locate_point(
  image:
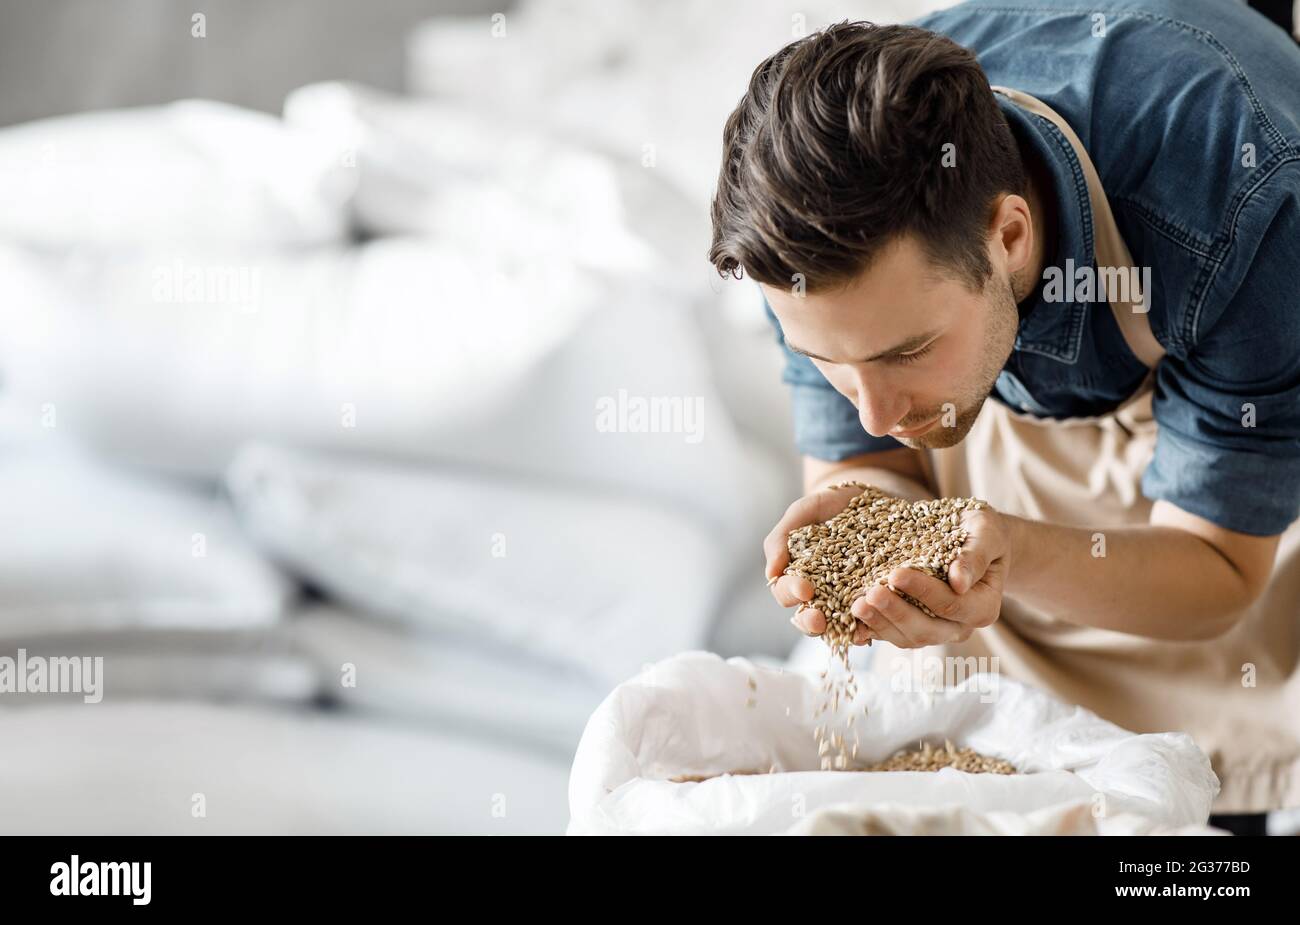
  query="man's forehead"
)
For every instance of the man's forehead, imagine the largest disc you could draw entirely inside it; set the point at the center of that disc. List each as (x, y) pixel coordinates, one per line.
(843, 309)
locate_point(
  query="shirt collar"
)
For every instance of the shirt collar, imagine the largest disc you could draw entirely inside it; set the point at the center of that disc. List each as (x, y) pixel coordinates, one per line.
(1056, 329)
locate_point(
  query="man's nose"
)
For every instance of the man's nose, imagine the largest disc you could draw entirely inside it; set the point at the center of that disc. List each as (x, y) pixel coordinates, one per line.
(880, 408)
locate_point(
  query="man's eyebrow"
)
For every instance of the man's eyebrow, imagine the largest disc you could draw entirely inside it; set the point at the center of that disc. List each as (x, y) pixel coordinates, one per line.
(907, 346)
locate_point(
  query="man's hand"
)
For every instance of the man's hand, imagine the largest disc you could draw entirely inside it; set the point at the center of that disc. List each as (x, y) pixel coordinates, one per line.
(969, 600)
(791, 590)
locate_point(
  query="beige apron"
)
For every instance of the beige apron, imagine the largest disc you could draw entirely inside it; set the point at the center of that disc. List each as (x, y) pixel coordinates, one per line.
(1086, 472)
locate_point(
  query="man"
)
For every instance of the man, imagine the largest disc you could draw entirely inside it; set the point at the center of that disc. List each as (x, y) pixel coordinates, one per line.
(1074, 297)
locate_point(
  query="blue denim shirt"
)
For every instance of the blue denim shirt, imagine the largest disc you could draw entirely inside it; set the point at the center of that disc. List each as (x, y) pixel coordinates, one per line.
(1166, 102)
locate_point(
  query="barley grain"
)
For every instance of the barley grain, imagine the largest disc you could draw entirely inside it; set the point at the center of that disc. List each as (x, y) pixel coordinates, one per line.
(857, 548)
(927, 758)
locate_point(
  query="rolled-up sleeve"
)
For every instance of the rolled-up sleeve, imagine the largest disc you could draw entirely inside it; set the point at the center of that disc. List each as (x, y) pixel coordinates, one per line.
(826, 424)
(1228, 444)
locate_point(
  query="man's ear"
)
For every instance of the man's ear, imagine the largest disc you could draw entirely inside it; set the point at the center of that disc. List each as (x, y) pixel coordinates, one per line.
(1011, 233)
(1011, 242)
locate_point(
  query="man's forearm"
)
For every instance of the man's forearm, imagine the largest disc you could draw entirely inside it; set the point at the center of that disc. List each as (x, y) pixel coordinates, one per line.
(1154, 581)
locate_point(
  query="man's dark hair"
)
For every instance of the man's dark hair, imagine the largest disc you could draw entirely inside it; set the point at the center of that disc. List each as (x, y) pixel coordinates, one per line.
(837, 149)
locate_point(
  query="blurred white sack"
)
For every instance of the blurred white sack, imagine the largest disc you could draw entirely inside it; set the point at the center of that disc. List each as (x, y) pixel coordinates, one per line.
(402, 347)
(507, 186)
(93, 549)
(692, 715)
(601, 583)
(173, 357)
(190, 172)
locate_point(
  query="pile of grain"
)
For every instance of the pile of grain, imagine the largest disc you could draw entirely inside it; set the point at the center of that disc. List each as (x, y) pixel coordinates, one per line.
(932, 759)
(924, 758)
(874, 534)
(701, 778)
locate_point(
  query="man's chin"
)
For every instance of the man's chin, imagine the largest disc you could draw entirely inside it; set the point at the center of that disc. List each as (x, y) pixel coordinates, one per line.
(940, 437)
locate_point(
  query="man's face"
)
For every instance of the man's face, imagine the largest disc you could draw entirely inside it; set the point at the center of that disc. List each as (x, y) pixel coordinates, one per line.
(916, 352)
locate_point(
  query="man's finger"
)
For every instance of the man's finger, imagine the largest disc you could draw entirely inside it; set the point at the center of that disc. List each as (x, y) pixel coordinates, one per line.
(776, 553)
(790, 590)
(930, 591)
(910, 621)
(809, 621)
(862, 634)
(973, 558)
(880, 625)
(995, 575)
(801, 512)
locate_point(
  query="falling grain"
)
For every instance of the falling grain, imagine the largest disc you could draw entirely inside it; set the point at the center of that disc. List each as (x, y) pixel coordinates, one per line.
(857, 548)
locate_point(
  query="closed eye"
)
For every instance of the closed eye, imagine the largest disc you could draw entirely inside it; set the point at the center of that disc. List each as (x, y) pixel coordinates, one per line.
(914, 357)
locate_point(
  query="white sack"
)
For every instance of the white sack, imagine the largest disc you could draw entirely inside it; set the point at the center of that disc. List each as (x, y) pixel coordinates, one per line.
(601, 584)
(90, 548)
(688, 715)
(193, 171)
(400, 347)
(504, 186)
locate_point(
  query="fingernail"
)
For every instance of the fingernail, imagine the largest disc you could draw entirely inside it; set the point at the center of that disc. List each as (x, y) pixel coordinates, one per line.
(963, 577)
(794, 621)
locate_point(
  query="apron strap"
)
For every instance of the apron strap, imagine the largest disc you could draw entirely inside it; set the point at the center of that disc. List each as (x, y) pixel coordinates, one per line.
(1131, 314)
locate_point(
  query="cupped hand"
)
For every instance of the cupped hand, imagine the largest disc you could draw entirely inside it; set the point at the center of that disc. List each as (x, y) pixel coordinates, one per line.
(970, 599)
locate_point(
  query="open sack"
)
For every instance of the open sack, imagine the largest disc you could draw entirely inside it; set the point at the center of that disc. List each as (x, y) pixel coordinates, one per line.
(696, 715)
